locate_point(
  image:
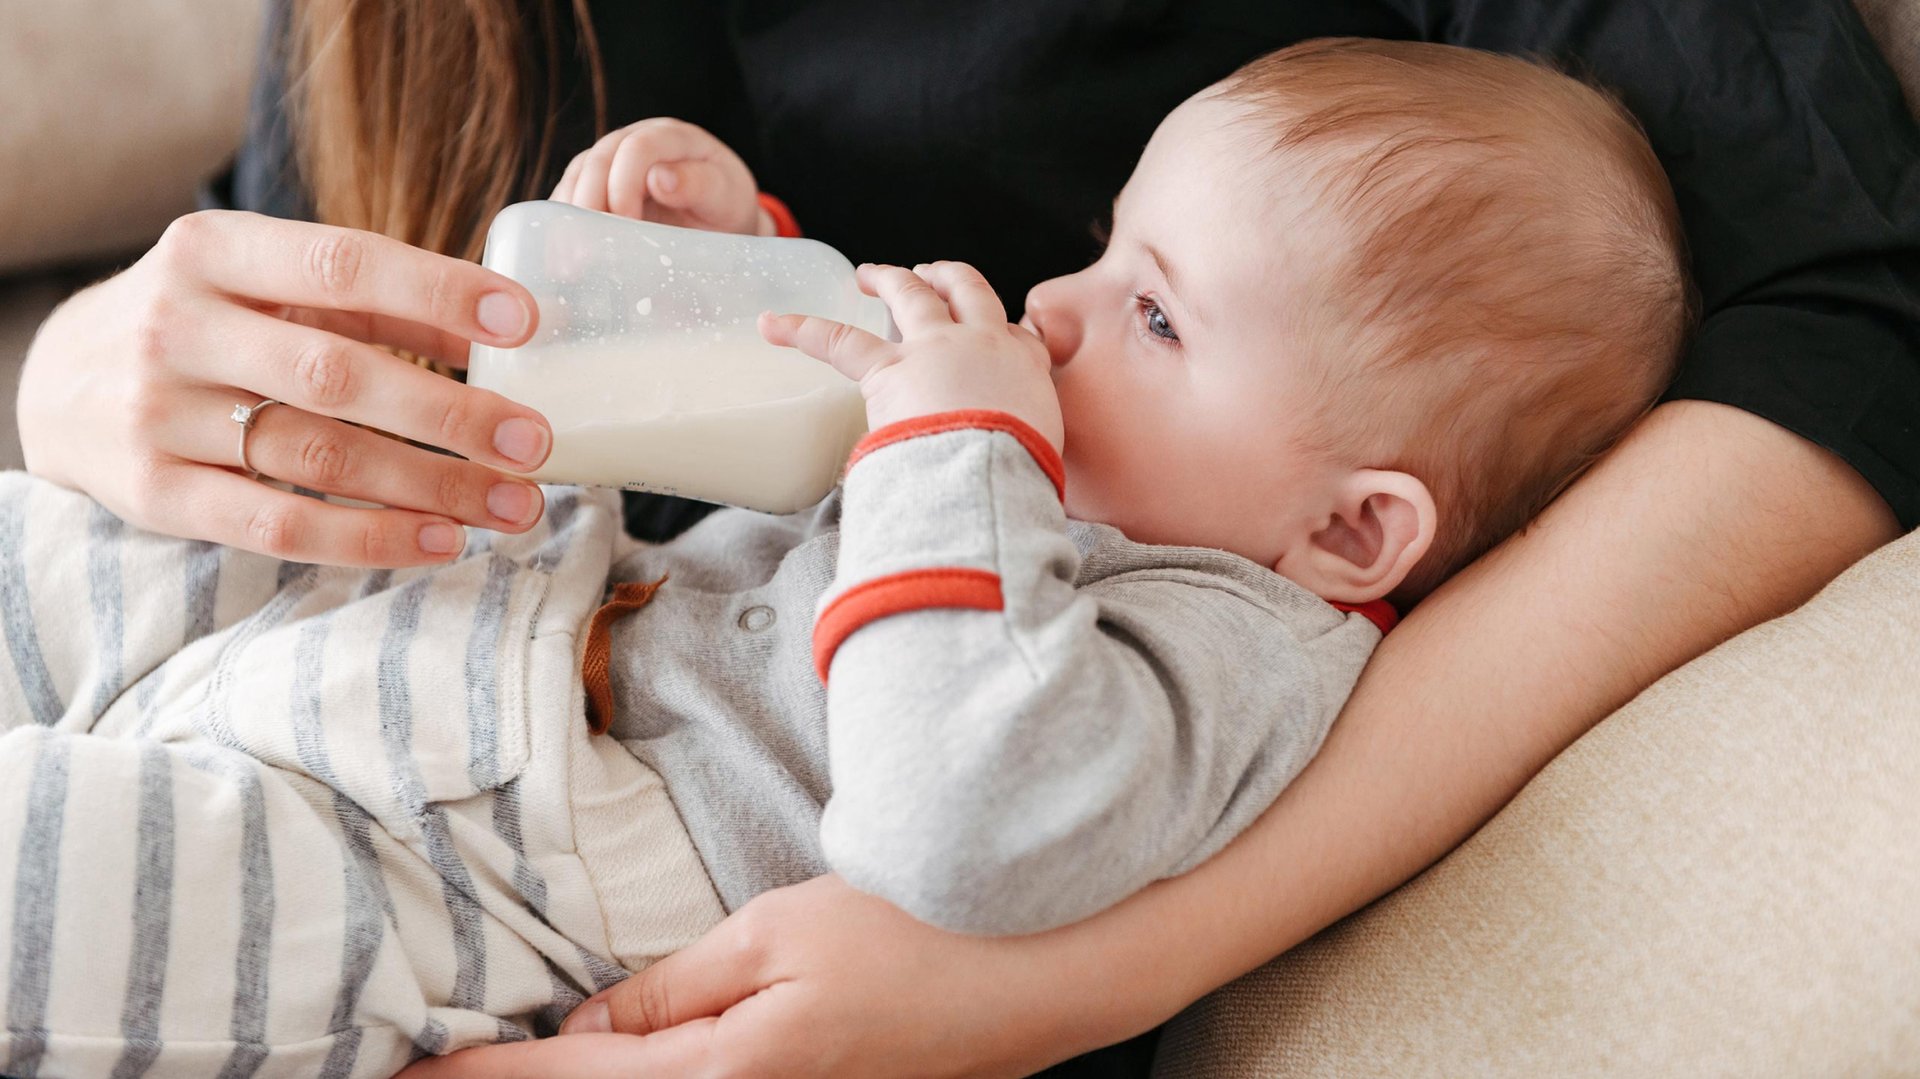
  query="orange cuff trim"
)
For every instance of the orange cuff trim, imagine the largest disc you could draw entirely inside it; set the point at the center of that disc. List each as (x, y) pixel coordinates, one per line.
(784, 223)
(898, 593)
(970, 419)
(1379, 612)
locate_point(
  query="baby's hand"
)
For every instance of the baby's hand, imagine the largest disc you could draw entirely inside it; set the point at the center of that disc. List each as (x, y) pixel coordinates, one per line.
(957, 350)
(668, 171)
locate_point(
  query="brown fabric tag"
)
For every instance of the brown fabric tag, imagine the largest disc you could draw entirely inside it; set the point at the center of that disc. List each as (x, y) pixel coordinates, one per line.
(627, 596)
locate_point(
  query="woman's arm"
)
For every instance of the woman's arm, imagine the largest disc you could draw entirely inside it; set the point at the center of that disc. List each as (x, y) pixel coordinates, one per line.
(1703, 522)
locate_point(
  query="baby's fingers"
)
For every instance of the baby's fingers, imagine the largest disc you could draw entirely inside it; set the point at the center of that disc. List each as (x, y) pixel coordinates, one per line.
(590, 174)
(916, 307)
(965, 290)
(852, 351)
(706, 191)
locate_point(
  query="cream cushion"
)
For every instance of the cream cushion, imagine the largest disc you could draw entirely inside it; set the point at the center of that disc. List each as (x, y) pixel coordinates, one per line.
(1720, 879)
(115, 110)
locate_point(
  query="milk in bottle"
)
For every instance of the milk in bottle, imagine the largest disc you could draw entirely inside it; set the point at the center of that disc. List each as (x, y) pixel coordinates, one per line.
(648, 365)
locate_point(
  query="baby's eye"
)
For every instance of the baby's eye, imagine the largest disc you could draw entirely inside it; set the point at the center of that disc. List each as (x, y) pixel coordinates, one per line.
(1155, 319)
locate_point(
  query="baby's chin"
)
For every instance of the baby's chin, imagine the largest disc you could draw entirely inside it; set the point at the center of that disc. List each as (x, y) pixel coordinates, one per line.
(1071, 503)
(1074, 501)
(1085, 505)
(1086, 499)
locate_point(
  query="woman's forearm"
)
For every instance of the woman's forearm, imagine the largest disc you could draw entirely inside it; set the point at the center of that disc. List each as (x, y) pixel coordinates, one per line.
(1703, 522)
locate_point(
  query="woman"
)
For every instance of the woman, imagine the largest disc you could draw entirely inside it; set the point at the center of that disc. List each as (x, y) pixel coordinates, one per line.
(993, 134)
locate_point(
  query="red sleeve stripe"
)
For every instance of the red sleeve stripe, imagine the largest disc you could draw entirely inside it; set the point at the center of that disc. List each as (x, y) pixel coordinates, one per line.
(898, 593)
(972, 419)
(1379, 612)
(784, 223)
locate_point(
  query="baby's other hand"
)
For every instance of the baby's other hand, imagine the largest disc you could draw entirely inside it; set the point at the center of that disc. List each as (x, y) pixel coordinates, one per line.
(957, 350)
(668, 171)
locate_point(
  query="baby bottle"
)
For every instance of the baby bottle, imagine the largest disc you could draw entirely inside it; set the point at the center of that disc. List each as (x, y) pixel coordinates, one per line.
(648, 364)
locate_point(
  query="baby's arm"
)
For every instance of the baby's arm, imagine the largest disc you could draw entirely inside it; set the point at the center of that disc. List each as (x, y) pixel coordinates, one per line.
(1010, 753)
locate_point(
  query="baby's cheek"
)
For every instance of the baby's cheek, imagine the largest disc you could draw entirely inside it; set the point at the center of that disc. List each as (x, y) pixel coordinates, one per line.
(1106, 437)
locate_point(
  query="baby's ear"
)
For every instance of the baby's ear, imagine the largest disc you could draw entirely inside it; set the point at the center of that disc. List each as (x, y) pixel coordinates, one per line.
(1378, 528)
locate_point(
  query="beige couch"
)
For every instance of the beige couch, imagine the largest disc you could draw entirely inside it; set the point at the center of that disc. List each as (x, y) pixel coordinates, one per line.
(1721, 879)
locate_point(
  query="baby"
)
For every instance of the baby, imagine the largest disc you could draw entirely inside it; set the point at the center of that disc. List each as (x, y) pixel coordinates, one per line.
(1366, 307)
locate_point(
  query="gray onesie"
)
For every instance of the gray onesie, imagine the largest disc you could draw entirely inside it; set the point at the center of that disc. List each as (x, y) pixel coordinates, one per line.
(1025, 718)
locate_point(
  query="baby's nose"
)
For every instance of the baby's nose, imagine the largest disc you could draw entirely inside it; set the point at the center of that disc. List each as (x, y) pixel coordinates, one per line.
(1059, 349)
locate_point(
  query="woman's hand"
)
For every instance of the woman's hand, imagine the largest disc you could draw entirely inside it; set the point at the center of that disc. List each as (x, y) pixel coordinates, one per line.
(128, 387)
(957, 350)
(819, 979)
(668, 171)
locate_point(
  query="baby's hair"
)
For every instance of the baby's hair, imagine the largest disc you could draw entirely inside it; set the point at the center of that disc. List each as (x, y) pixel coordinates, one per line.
(1513, 292)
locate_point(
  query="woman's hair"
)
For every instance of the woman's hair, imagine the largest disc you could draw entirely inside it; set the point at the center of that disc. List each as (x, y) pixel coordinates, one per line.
(412, 117)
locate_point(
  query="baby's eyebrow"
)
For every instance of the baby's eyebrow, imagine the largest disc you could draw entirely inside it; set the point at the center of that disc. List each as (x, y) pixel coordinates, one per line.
(1173, 286)
(1160, 261)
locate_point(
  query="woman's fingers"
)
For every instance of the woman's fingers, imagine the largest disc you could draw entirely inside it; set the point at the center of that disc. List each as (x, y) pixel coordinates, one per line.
(192, 500)
(851, 351)
(689, 1050)
(300, 264)
(321, 454)
(334, 376)
(705, 978)
(914, 303)
(966, 292)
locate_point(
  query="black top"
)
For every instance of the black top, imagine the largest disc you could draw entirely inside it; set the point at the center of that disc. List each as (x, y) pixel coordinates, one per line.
(911, 130)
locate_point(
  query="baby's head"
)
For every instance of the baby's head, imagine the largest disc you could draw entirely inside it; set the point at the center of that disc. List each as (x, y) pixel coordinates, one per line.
(1365, 308)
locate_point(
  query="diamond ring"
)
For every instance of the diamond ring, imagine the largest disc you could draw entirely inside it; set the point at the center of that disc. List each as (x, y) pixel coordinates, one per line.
(244, 415)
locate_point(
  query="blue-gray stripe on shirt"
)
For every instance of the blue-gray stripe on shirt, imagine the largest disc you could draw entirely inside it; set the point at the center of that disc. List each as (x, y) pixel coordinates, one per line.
(36, 894)
(396, 729)
(16, 616)
(253, 951)
(481, 670)
(109, 605)
(152, 916)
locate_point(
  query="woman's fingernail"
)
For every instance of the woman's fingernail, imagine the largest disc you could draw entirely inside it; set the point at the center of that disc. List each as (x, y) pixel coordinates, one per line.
(593, 1017)
(521, 441)
(439, 539)
(511, 502)
(502, 314)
